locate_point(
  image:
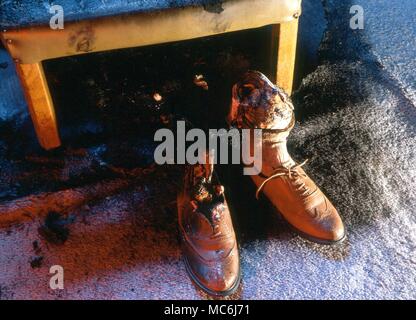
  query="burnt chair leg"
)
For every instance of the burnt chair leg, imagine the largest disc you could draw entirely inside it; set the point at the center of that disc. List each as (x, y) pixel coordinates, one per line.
(284, 41)
(40, 103)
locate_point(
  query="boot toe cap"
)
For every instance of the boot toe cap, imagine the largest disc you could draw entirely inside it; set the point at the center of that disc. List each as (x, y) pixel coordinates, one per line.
(218, 278)
(327, 228)
(332, 230)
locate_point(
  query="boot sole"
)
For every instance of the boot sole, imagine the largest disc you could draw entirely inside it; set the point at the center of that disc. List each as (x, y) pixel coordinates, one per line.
(195, 280)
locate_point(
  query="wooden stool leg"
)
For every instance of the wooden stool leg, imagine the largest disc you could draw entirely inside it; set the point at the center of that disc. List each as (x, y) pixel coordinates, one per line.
(40, 104)
(284, 41)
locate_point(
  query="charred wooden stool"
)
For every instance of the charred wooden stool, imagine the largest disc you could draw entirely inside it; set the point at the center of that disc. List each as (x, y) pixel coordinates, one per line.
(96, 25)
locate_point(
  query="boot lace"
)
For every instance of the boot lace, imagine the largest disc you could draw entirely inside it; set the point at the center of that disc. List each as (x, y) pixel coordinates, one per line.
(293, 174)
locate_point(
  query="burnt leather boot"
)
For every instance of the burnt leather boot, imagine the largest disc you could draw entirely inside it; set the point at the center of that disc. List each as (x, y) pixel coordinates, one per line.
(257, 103)
(208, 239)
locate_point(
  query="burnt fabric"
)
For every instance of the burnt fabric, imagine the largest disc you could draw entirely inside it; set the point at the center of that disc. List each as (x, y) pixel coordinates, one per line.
(23, 13)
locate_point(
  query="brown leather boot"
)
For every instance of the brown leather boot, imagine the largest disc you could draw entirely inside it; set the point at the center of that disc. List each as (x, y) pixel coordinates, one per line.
(208, 240)
(257, 103)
